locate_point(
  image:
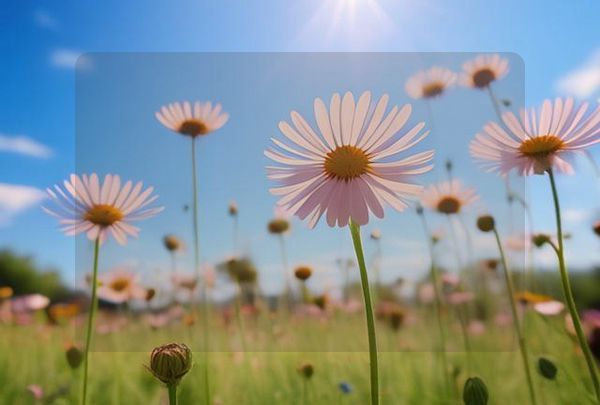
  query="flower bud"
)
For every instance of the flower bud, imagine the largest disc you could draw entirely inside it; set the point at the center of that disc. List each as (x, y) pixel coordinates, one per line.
(278, 226)
(74, 357)
(306, 370)
(486, 223)
(540, 239)
(547, 368)
(171, 243)
(321, 301)
(232, 209)
(375, 234)
(475, 392)
(150, 293)
(303, 273)
(170, 362)
(449, 165)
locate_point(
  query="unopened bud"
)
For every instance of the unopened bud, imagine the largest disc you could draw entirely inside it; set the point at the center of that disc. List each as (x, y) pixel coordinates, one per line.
(547, 368)
(303, 273)
(475, 392)
(150, 293)
(233, 209)
(306, 370)
(486, 223)
(169, 363)
(74, 357)
(278, 226)
(540, 239)
(171, 243)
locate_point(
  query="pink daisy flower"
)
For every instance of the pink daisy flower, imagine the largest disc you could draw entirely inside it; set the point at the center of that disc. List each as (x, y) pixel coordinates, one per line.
(538, 140)
(483, 70)
(349, 167)
(448, 197)
(120, 285)
(196, 120)
(86, 205)
(430, 83)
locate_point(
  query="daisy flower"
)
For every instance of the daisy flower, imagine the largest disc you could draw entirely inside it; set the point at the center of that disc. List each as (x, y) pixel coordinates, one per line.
(549, 308)
(538, 141)
(430, 83)
(119, 286)
(99, 209)
(448, 197)
(349, 167)
(483, 70)
(199, 119)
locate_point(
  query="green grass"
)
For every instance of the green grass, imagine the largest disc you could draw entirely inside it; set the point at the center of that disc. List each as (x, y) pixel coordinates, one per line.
(335, 345)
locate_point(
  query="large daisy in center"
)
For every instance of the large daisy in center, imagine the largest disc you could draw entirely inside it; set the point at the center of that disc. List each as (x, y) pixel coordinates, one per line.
(350, 166)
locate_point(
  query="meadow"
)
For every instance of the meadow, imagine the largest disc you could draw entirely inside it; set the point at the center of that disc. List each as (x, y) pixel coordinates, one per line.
(476, 326)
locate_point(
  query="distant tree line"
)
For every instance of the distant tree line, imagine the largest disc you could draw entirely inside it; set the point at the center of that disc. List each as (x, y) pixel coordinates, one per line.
(23, 275)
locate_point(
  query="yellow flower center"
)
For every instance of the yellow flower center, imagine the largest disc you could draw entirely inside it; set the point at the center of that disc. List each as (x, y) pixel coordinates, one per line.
(448, 205)
(119, 284)
(193, 128)
(483, 77)
(103, 215)
(541, 146)
(346, 163)
(433, 89)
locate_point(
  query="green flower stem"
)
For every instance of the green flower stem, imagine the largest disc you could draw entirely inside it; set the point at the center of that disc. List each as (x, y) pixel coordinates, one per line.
(566, 285)
(511, 298)
(438, 302)
(90, 322)
(364, 278)
(284, 261)
(197, 269)
(172, 394)
(238, 316)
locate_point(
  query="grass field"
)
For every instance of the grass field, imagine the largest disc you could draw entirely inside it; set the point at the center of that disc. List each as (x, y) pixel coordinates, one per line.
(277, 346)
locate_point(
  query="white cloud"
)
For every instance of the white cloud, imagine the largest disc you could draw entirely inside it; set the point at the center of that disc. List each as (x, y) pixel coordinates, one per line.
(24, 146)
(69, 59)
(44, 20)
(575, 215)
(15, 198)
(584, 80)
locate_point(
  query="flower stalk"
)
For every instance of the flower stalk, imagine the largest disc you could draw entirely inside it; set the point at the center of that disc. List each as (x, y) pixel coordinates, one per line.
(197, 268)
(437, 299)
(90, 322)
(511, 298)
(568, 293)
(172, 394)
(364, 278)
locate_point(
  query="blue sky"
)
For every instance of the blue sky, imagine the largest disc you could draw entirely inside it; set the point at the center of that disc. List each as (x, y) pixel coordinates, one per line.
(558, 42)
